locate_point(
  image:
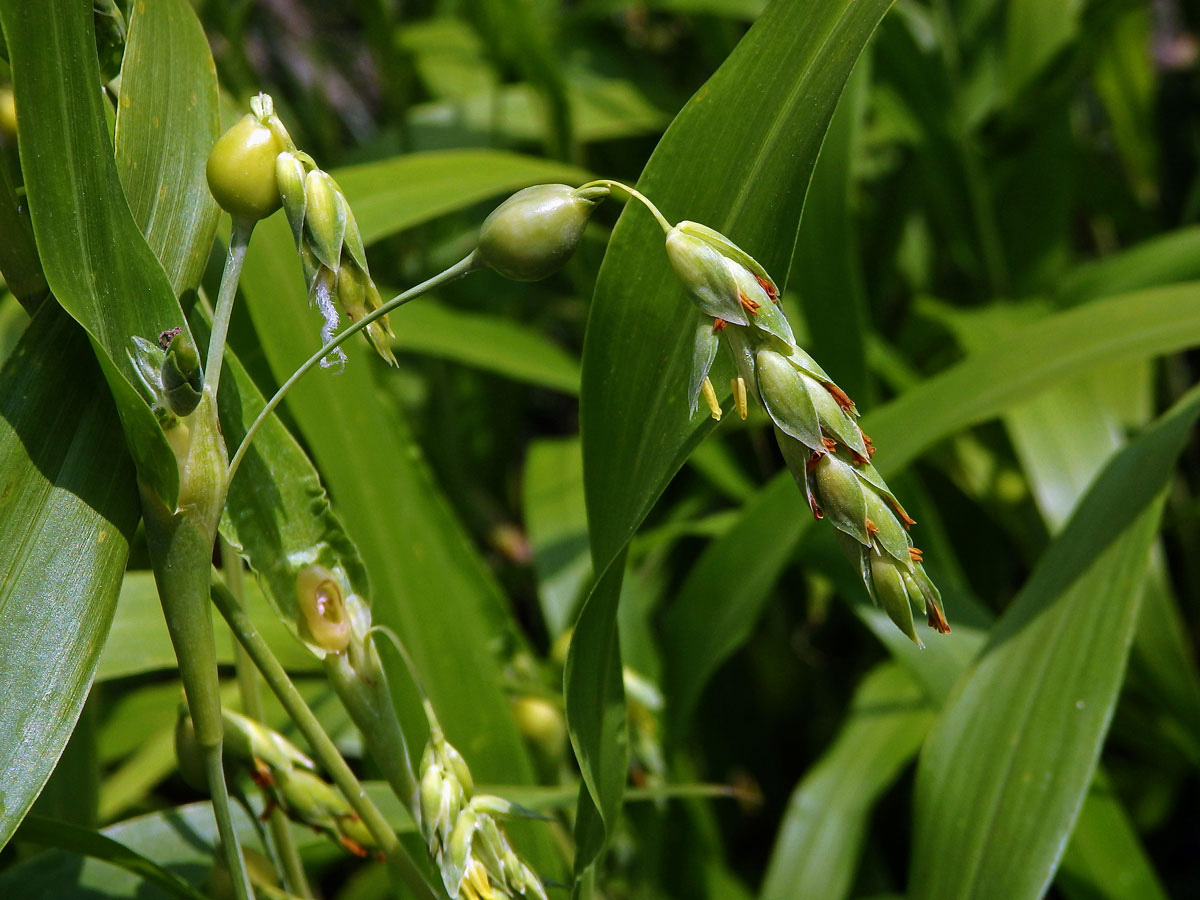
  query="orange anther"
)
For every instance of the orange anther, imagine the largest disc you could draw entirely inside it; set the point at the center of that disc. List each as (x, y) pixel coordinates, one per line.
(937, 621)
(353, 846)
(751, 306)
(872, 528)
(829, 444)
(839, 395)
(904, 517)
(916, 554)
(813, 459)
(719, 324)
(768, 288)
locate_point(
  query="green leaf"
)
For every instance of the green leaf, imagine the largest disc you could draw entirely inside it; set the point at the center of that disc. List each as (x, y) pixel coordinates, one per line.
(821, 836)
(1010, 758)
(65, 836)
(761, 125)
(179, 840)
(556, 522)
(398, 193)
(491, 343)
(167, 123)
(720, 600)
(1063, 437)
(1105, 858)
(828, 273)
(1165, 259)
(1036, 32)
(602, 109)
(68, 508)
(96, 261)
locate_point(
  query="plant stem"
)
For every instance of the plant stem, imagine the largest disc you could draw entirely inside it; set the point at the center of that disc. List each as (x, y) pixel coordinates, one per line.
(287, 854)
(180, 541)
(633, 192)
(239, 240)
(322, 745)
(361, 685)
(458, 270)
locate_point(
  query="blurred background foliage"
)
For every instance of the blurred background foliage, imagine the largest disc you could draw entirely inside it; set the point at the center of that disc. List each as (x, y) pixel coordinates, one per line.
(991, 165)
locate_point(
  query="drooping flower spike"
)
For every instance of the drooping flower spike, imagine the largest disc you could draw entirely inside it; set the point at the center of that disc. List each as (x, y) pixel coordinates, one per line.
(331, 251)
(462, 829)
(815, 421)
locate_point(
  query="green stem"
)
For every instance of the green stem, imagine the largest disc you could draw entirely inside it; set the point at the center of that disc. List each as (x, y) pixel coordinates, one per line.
(458, 270)
(214, 771)
(633, 192)
(238, 242)
(322, 745)
(180, 539)
(361, 685)
(286, 852)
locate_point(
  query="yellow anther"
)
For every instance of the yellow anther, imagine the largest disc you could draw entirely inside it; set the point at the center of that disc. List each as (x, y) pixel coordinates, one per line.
(740, 403)
(476, 882)
(710, 397)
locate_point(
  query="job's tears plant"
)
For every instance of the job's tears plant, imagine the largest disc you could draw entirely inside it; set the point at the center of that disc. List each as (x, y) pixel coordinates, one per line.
(254, 170)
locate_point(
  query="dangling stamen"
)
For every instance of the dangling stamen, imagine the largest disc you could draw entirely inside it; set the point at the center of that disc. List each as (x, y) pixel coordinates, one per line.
(740, 401)
(710, 397)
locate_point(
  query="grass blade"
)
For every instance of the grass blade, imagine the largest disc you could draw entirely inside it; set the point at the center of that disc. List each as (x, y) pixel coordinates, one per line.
(96, 261)
(167, 123)
(68, 509)
(65, 836)
(1011, 756)
(822, 833)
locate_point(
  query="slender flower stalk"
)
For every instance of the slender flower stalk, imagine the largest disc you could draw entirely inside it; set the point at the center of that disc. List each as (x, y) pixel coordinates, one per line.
(180, 541)
(637, 195)
(238, 242)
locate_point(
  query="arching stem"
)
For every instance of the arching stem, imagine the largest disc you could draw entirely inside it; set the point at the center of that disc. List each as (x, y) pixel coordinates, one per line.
(456, 271)
(634, 192)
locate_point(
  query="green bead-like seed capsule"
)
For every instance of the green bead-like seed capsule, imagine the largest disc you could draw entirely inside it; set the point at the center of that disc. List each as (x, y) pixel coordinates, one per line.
(241, 170)
(324, 621)
(532, 234)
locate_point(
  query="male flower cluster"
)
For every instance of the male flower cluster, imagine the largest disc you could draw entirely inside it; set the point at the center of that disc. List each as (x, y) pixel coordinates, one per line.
(462, 832)
(815, 421)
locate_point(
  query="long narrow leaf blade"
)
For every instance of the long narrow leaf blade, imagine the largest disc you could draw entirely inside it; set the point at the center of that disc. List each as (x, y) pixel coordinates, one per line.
(1006, 769)
(167, 123)
(97, 263)
(68, 508)
(822, 832)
